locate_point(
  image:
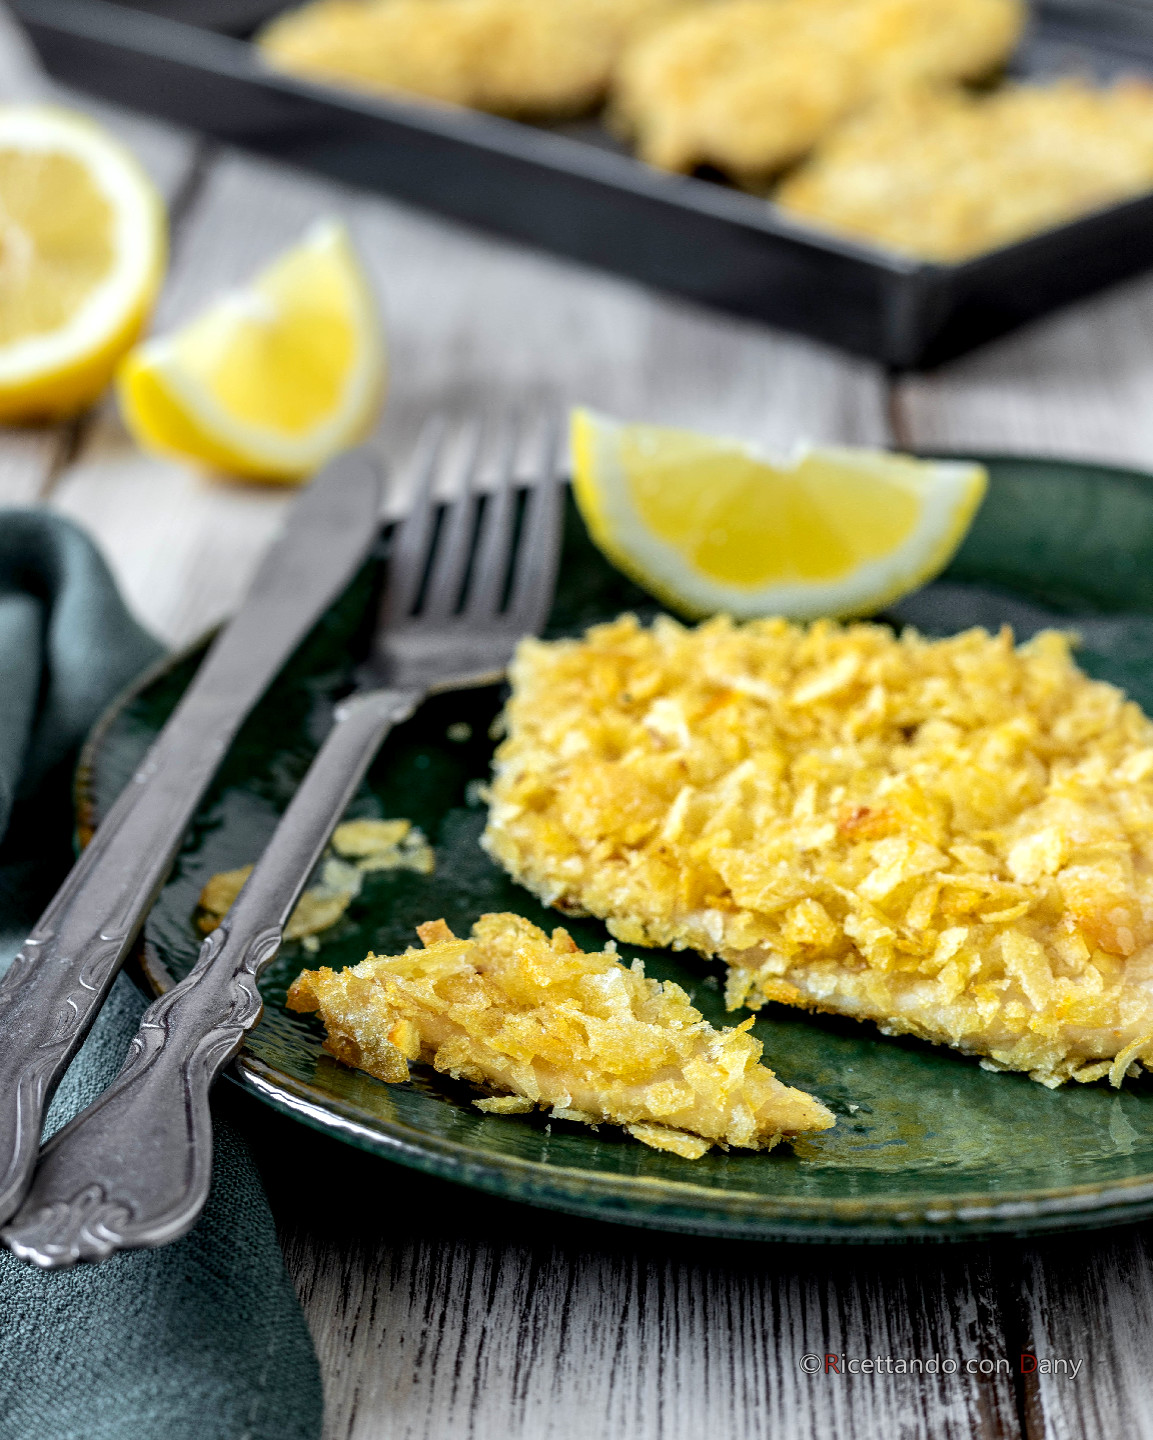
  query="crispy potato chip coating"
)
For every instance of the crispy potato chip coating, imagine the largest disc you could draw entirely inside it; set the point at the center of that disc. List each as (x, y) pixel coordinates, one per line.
(749, 86)
(952, 838)
(533, 1018)
(946, 175)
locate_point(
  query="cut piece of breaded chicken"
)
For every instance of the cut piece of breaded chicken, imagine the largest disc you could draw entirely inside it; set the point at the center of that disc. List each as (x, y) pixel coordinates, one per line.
(946, 175)
(749, 86)
(537, 1022)
(952, 838)
(515, 57)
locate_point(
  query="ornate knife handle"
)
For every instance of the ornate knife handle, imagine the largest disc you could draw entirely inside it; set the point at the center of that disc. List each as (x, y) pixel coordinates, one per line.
(58, 982)
(133, 1170)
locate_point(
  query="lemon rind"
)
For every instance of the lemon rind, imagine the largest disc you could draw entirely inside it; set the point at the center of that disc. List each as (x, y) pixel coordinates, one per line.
(950, 503)
(212, 434)
(107, 321)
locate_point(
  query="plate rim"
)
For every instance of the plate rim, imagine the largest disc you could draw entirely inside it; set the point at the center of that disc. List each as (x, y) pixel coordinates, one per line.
(634, 1200)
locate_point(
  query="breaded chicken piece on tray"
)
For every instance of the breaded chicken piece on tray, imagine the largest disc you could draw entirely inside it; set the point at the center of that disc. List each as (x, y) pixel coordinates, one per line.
(534, 1020)
(951, 838)
(749, 86)
(945, 175)
(537, 58)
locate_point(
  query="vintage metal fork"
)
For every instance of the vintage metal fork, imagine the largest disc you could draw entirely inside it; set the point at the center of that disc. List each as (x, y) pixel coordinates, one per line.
(465, 581)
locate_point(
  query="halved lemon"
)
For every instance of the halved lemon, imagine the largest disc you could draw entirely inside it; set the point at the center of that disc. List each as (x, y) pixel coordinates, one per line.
(711, 525)
(82, 250)
(273, 379)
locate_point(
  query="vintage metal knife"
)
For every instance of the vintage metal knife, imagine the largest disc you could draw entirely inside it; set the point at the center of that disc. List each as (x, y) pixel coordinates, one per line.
(58, 981)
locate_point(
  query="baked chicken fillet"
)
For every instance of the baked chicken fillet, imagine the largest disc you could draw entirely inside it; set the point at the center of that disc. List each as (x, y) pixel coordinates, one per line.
(945, 175)
(951, 838)
(749, 86)
(537, 58)
(534, 1021)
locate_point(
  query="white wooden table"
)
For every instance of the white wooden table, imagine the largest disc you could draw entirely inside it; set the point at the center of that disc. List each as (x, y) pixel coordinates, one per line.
(438, 1314)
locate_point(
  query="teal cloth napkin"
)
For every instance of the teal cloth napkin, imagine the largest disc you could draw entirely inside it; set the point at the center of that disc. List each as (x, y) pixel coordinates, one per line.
(204, 1339)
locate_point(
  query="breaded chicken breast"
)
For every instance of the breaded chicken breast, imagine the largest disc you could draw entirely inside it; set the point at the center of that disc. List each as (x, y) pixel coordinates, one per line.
(749, 86)
(946, 175)
(515, 57)
(951, 838)
(536, 1022)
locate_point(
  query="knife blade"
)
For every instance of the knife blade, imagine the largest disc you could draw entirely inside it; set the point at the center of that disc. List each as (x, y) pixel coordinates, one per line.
(57, 983)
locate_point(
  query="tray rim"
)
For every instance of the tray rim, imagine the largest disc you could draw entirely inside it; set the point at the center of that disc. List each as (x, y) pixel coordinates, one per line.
(147, 31)
(620, 215)
(538, 145)
(634, 1200)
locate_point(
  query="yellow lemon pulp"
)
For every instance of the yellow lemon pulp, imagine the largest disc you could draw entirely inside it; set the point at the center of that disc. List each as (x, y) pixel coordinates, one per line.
(56, 241)
(274, 379)
(709, 524)
(82, 248)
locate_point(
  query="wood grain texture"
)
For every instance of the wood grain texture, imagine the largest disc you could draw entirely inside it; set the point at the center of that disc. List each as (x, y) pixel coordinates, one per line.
(30, 457)
(440, 1313)
(183, 547)
(1091, 1301)
(1076, 384)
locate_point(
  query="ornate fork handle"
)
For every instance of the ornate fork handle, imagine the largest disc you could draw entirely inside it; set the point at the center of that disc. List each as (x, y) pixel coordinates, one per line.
(134, 1168)
(64, 970)
(58, 981)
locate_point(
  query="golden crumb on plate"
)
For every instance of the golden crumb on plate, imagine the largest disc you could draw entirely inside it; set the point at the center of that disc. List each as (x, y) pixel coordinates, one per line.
(946, 175)
(318, 909)
(361, 847)
(515, 57)
(384, 845)
(749, 86)
(358, 839)
(218, 895)
(952, 838)
(536, 1020)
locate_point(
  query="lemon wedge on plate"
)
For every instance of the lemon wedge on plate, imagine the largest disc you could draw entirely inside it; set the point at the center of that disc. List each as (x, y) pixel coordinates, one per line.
(82, 249)
(711, 525)
(273, 379)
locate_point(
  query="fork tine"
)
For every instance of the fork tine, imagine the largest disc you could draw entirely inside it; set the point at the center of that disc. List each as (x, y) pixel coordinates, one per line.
(409, 550)
(539, 553)
(495, 539)
(454, 544)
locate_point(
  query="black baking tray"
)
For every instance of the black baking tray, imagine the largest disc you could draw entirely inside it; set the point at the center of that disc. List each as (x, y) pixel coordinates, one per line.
(570, 190)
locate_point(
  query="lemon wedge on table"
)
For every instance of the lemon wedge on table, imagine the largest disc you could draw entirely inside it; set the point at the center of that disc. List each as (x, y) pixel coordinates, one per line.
(273, 379)
(711, 525)
(82, 251)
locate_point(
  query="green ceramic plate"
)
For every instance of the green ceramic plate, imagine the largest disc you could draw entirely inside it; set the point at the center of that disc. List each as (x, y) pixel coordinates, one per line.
(926, 1143)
